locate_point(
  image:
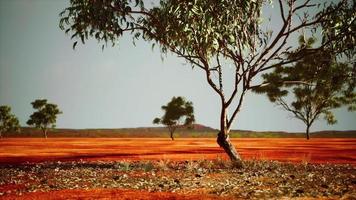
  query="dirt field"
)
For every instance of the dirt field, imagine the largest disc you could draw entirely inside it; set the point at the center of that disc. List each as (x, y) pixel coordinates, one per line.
(20, 150)
(182, 169)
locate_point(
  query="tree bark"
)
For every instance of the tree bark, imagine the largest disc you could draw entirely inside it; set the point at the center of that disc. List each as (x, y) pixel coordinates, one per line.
(45, 133)
(307, 132)
(172, 135)
(171, 131)
(224, 142)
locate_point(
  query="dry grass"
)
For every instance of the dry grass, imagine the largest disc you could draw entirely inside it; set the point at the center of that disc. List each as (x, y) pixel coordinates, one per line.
(256, 179)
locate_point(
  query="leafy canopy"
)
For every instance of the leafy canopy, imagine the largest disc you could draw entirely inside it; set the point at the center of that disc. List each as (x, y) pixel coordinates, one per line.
(340, 26)
(204, 32)
(323, 84)
(45, 116)
(8, 121)
(177, 112)
(226, 39)
(201, 27)
(194, 27)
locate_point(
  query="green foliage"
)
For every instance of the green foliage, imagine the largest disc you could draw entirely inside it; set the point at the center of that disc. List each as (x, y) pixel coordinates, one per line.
(177, 112)
(318, 84)
(102, 20)
(177, 109)
(340, 24)
(45, 117)
(212, 35)
(202, 30)
(8, 121)
(201, 27)
(194, 27)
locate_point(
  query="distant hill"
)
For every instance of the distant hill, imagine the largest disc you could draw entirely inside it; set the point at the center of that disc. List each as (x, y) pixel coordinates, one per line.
(197, 131)
(197, 127)
(201, 127)
(282, 134)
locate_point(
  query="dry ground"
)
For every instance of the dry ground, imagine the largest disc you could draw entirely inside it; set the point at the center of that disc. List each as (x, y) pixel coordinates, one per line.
(18, 150)
(156, 180)
(92, 168)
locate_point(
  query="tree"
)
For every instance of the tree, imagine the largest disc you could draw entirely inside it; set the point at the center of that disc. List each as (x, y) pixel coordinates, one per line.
(45, 117)
(8, 121)
(327, 85)
(213, 36)
(177, 112)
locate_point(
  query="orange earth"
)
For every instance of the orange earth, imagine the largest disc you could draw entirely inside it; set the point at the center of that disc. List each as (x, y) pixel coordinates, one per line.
(106, 194)
(20, 150)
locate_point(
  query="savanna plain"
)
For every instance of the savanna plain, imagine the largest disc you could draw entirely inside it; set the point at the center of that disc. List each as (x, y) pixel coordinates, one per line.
(186, 168)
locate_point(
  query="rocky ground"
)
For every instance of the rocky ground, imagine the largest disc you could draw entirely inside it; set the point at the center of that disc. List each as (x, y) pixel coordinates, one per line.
(256, 180)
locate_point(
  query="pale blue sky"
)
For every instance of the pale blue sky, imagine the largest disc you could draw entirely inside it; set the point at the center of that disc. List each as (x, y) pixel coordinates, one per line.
(123, 86)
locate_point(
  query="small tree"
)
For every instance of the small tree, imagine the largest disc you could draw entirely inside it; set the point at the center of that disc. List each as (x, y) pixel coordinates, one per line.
(8, 121)
(177, 112)
(323, 85)
(45, 117)
(228, 40)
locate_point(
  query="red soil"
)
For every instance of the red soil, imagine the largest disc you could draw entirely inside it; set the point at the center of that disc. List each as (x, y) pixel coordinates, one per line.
(111, 194)
(19, 150)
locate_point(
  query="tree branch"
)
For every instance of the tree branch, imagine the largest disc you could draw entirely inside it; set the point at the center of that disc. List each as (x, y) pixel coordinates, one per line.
(304, 5)
(237, 109)
(280, 34)
(316, 21)
(284, 82)
(296, 113)
(220, 73)
(210, 81)
(281, 10)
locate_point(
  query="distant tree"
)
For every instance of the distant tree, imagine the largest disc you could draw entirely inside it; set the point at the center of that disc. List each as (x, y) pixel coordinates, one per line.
(45, 117)
(8, 121)
(228, 40)
(323, 84)
(178, 112)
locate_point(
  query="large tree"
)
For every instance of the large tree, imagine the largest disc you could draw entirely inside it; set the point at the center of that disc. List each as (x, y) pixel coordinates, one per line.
(45, 117)
(327, 84)
(8, 121)
(178, 112)
(225, 39)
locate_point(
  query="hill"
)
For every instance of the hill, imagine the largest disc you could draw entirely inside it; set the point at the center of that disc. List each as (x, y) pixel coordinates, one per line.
(198, 131)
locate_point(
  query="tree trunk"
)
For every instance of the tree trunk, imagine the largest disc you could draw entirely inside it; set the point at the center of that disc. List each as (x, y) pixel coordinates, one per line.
(307, 132)
(45, 133)
(172, 135)
(171, 129)
(224, 142)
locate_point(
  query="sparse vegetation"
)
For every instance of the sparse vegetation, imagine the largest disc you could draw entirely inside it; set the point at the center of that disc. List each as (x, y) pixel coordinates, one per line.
(229, 41)
(258, 179)
(45, 117)
(326, 85)
(177, 113)
(8, 121)
(180, 133)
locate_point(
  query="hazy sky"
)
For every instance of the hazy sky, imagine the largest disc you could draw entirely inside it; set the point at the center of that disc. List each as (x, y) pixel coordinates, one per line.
(124, 86)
